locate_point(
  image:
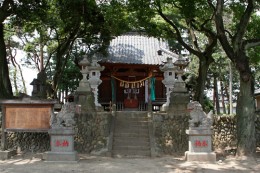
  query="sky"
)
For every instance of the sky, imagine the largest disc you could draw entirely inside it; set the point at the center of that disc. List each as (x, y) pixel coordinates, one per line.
(28, 74)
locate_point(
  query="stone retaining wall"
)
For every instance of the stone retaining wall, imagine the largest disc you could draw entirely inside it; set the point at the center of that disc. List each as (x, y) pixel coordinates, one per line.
(92, 134)
(169, 131)
(170, 136)
(224, 131)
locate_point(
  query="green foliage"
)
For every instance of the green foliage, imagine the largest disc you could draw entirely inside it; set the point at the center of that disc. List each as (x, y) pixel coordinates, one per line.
(208, 105)
(53, 27)
(70, 77)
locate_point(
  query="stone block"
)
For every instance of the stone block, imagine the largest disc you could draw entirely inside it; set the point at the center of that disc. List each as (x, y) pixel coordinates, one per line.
(61, 156)
(62, 146)
(7, 154)
(200, 156)
(62, 140)
(200, 140)
(200, 145)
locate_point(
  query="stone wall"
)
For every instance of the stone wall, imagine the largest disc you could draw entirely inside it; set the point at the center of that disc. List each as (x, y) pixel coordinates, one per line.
(224, 134)
(170, 135)
(92, 133)
(169, 131)
(28, 141)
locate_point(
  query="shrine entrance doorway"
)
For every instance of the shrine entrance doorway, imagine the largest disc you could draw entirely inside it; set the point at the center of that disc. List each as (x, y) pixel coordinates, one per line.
(130, 86)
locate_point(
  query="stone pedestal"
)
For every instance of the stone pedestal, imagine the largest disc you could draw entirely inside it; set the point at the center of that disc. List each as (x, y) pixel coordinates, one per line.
(62, 145)
(178, 103)
(200, 148)
(7, 154)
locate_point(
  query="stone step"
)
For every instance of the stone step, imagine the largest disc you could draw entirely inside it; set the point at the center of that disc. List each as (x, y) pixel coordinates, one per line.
(132, 114)
(131, 142)
(137, 129)
(131, 153)
(131, 135)
(120, 127)
(139, 117)
(131, 121)
(133, 148)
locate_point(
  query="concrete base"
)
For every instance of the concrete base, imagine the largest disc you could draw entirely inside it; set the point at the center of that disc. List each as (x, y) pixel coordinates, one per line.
(71, 157)
(200, 157)
(7, 154)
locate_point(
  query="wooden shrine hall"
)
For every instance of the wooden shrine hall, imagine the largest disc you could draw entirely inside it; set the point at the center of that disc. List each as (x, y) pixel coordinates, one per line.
(131, 78)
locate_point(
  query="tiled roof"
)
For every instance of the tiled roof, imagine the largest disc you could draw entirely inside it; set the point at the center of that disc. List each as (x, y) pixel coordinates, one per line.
(136, 49)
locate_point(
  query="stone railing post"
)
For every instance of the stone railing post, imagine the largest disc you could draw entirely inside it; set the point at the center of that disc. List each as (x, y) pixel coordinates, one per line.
(200, 144)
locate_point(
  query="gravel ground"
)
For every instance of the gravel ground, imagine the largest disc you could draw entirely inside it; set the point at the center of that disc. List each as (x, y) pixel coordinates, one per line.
(32, 163)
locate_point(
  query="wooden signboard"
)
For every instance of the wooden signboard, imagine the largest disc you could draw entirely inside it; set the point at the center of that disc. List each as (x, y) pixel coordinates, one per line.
(27, 117)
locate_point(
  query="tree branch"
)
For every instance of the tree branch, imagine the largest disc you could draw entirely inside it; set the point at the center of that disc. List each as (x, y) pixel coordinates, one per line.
(193, 36)
(251, 43)
(241, 30)
(221, 29)
(177, 33)
(6, 9)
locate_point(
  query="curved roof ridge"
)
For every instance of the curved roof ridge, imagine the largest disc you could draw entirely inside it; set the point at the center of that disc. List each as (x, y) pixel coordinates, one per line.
(136, 49)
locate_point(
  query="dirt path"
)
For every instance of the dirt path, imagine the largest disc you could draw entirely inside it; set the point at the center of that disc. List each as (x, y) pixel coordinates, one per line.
(29, 163)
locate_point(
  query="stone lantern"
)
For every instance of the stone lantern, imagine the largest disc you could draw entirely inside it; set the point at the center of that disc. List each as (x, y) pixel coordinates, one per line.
(84, 95)
(40, 86)
(169, 79)
(94, 78)
(84, 84)
(36, 87)
(179, 96)
(181, 64)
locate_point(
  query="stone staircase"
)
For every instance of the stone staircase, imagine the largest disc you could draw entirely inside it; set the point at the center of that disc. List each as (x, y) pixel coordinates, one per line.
(131, 135)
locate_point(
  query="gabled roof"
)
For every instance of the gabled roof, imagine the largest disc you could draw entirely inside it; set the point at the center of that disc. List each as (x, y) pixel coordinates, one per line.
(133, 48)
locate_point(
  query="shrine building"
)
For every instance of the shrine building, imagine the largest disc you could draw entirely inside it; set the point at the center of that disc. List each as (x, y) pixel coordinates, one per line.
(132, 77)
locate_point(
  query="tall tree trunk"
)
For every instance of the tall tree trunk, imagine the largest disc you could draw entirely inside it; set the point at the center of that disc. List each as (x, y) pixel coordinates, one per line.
(15, 82)
(216, 94)
(23, 81)
(236, 51)
(214, 103)
(5, 83)
(62, 56)
(245, 109)
(228, 97)
(223, 97)
(201, 80)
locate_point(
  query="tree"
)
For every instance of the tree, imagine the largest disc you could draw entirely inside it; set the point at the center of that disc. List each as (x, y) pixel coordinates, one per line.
(5, 84)
(10, 8)
(67, 23)
(177, 20)
(235, 42)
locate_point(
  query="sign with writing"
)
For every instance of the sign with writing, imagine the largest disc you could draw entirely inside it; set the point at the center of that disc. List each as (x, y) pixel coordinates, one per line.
(201, 143)
(27, 117)
(61, 143)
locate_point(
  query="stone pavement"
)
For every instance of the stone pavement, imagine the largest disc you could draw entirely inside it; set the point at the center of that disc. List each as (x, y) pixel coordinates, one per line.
(31, 163)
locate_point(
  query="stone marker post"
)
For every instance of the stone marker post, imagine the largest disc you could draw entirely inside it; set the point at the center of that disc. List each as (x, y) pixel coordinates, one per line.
(62, 136)
(200, 145)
